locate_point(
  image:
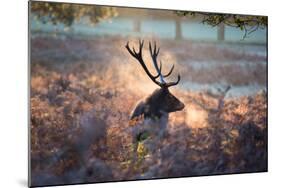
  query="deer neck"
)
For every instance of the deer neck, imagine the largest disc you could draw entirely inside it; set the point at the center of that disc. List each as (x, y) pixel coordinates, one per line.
(154, 107)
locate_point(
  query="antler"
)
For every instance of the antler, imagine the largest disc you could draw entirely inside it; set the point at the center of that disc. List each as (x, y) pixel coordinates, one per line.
(138, 56)
(154, 53)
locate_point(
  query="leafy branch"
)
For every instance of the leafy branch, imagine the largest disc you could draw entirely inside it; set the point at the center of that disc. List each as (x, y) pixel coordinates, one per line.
(68, 13)
(248, 24)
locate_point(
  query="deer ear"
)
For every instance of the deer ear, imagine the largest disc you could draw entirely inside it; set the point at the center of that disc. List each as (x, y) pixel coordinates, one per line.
(139, 110)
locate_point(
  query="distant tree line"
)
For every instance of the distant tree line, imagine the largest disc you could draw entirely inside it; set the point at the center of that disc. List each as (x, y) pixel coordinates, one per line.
(246, 23)
(67, 13)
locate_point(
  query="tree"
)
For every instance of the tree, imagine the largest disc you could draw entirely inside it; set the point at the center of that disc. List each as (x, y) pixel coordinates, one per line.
(67, 13)
(221, 31)
(178, 29)
(246, 23)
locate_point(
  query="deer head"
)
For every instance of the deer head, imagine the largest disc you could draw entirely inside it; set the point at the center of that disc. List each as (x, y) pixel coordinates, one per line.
(161, 101)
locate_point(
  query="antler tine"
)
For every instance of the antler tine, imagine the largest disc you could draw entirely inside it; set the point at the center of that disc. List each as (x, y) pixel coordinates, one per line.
(170, 72)
(160, 68)
(138, 56)
(135, 51)
(154, 53)
(129, 50)
(150, 49)
(173, 83)
(141, 45)
(155, 49)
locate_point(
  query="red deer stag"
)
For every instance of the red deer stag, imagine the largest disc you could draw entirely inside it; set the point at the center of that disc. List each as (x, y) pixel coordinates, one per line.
(161, 101)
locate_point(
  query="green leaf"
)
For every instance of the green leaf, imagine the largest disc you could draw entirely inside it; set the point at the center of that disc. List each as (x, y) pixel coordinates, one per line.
(142, 136)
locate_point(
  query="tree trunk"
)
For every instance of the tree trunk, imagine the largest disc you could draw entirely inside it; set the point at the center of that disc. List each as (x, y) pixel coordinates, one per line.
(178, 29)
(221, 29)
(137, 25)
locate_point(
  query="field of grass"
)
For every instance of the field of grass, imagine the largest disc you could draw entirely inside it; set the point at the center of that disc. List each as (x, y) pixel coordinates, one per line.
(82, 94)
